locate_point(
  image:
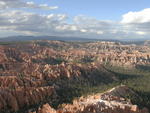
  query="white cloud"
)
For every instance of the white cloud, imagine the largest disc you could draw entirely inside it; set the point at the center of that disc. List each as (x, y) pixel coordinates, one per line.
(137, 17)
(60, 17)
(30, 23)
(99, 32)
(141, 32)
(52, 24)
(5, 4)
(137, 22)
(83, 30)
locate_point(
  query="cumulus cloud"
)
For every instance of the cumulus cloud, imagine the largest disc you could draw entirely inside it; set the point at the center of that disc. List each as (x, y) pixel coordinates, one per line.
(51, 24)
(30, 22)
(137, 22)
(5, 4)
(19, 21)
(137, 17)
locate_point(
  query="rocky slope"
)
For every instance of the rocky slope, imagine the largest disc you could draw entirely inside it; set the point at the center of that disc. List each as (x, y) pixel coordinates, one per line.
(16, 99)
(112, 101)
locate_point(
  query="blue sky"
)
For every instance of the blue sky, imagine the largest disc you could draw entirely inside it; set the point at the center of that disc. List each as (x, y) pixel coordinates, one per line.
(99, 9)
(115, 19)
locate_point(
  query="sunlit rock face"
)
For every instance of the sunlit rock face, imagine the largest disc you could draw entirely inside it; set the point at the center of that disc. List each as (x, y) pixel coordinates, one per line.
(111, 101)
(37, 58)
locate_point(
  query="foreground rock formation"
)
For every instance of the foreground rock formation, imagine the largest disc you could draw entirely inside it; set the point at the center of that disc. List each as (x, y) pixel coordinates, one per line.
(112, 101)
(16, 99)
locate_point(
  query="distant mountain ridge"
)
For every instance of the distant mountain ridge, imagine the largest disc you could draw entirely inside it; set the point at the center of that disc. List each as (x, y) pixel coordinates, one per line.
(29, 38)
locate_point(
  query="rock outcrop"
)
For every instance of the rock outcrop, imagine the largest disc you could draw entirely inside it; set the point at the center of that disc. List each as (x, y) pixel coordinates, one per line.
(108, 102)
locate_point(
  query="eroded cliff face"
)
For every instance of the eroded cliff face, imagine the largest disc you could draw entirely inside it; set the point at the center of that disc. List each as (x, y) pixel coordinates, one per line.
(46, 58)
(17, 99)
(112, 101)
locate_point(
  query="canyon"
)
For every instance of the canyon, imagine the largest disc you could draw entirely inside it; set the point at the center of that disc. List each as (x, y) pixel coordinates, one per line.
(36, 74)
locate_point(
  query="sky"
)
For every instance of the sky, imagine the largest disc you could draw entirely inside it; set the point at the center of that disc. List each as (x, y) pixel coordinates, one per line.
(101, 19)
